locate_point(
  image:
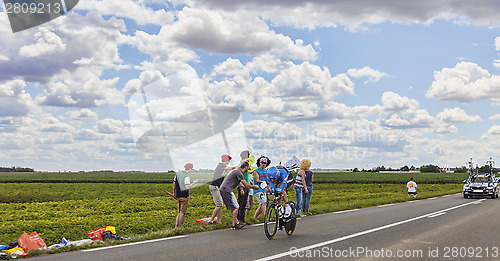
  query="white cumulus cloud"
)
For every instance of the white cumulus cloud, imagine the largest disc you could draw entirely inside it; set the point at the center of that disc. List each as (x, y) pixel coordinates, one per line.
(14, 101)
(47, 43)
(496, 62)
(367, 72)
(297, 92)
(84, 113)
(465, 82)
(494, 117)
(456, 115)
(4, 58)
(402, 112)
(232, 33)
(135, 10)
(110, 126)
(360, 14)
(492, 133)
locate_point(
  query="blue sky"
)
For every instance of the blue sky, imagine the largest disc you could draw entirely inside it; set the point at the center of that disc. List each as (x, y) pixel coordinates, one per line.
(344, 83)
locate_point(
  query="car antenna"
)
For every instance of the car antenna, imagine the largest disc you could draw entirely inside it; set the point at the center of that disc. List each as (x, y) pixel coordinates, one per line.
(491, 162)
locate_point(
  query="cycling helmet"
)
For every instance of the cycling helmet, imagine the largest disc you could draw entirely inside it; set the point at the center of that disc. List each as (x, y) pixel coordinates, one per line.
(272, 173)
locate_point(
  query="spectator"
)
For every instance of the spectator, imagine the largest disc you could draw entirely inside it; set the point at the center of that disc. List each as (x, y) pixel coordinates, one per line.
(233, 179)
(305, 164)
(260, 177)
(181, 186)
(250, 200)
(217, 179)
(243, 192)
(300, 180)
(412, 188)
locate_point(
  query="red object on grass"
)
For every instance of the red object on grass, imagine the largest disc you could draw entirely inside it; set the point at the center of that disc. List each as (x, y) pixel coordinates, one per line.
(204, 221)
(96, 234)
(31, 242)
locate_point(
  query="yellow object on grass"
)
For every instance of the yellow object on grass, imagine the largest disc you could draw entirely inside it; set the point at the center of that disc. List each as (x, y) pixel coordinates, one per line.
(12, 250)
(111, 228)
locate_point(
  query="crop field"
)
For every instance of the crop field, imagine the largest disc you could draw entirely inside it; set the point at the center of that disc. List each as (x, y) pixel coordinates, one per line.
(137, 203)
(139, 177)
(88, 177)
(392, 178)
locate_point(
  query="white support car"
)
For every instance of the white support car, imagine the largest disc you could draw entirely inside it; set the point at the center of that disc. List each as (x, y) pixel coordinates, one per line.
(481, 185)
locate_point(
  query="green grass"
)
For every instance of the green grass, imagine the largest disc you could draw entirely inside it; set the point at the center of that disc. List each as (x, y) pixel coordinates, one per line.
(69, 205)
(57, 210)
(337, 197)
(71, 210)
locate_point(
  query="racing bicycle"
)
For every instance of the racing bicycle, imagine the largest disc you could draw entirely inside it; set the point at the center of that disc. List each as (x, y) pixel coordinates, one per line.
(275, 217)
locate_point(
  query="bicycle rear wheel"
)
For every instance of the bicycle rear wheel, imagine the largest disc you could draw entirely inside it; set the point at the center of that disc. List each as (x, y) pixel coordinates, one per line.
(271, 221)
(292, 221)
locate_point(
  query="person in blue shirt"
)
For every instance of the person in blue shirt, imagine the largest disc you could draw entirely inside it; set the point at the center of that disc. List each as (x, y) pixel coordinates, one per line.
(278, 181)
(260, 179)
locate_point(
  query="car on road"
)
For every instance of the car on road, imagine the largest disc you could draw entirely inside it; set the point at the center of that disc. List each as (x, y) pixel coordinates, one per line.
(481, 185)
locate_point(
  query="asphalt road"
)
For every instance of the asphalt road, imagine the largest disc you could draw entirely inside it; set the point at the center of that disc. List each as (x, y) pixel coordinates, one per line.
(440, 228)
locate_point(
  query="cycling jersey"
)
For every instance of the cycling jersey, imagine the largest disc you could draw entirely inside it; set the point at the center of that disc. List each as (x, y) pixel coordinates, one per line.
(281, 180)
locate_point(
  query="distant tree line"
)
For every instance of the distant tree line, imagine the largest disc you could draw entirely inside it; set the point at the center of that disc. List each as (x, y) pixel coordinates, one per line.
(430, 169)
(427, 169)
(16, 169)
(382, 168)
(423, 169)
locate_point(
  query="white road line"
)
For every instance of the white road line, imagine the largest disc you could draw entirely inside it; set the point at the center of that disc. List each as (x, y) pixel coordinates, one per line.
(436, 215)
(132, 244)
(446, 196)
(388, 205)
(345, 211)
(298, 250)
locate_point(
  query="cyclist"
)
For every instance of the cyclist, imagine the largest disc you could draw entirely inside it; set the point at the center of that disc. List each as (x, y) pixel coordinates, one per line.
(277, 181)
(278, 184)
(290, 180)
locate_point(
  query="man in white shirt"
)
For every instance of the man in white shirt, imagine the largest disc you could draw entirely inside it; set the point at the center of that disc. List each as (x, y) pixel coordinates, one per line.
(412, 188)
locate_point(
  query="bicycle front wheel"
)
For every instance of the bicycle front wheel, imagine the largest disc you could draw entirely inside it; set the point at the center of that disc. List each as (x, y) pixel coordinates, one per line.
(271, 221)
